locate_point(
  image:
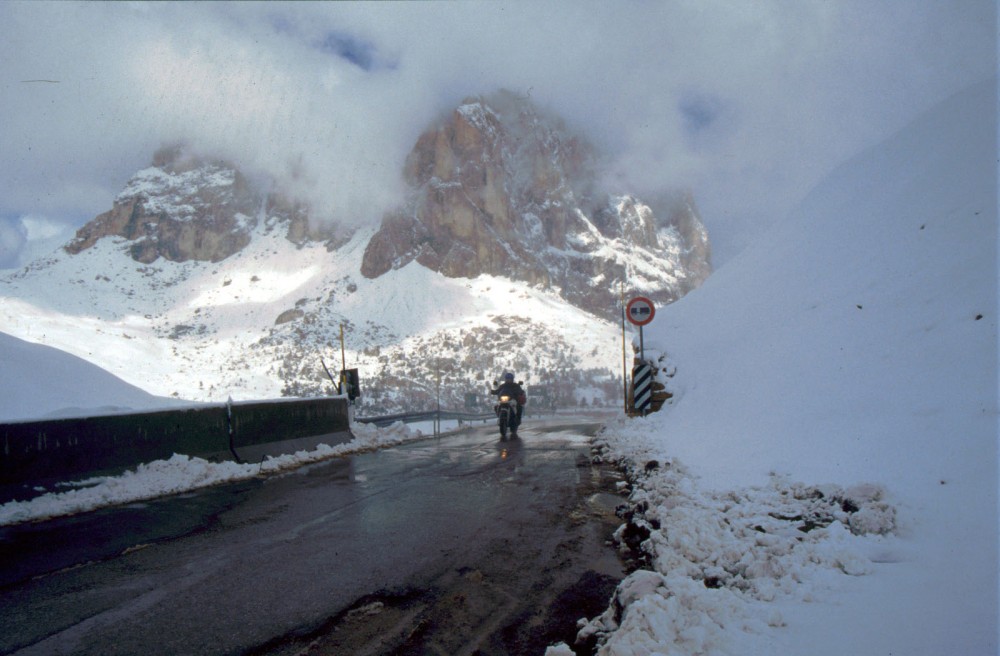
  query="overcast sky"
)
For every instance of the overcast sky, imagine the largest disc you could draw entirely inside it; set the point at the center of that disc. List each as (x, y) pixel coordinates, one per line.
(747, 103)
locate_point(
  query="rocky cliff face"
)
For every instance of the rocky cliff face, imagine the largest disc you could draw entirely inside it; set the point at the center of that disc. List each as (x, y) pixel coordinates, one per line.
(187, 208)
(499, 188)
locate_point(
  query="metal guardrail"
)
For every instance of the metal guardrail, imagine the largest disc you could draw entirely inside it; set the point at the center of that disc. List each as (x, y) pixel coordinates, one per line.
(429, 415)
(35, 454)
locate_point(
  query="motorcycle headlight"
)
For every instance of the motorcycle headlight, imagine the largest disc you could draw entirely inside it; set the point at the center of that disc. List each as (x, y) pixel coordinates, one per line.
(504, 399)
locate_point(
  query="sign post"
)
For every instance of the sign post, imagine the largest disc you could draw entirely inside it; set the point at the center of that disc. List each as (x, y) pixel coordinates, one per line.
(624, 360)
(640, 311)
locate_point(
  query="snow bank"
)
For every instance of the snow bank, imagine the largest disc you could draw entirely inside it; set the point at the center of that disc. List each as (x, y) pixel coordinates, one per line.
(855, 345)
(43, 382)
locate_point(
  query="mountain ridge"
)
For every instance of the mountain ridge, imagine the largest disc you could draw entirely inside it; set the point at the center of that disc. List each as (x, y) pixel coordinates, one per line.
(202, 284)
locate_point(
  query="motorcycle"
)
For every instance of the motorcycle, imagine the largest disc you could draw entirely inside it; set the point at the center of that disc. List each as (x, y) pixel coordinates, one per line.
(506, 409)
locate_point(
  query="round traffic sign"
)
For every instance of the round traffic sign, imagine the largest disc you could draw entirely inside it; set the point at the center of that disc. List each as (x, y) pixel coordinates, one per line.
(640, 310)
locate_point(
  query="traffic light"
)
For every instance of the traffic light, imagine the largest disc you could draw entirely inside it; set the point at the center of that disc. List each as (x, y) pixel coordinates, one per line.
(350, 383)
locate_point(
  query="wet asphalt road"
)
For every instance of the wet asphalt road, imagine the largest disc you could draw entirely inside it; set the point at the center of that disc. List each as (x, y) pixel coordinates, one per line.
(458, 544)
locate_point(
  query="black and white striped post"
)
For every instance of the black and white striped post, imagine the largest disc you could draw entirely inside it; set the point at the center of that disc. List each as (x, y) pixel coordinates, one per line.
(640, 311)
(642, 387)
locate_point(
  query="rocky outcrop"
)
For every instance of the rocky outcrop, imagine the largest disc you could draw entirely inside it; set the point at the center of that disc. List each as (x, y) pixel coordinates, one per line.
(180, 208)
(184, 207)
(682, 214)
(500, 188)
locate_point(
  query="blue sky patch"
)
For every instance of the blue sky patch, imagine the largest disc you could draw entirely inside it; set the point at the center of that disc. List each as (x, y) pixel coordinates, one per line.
(699, 112)
(359, 52)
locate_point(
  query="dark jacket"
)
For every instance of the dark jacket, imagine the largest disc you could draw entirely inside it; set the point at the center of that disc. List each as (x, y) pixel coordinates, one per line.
(512, 389)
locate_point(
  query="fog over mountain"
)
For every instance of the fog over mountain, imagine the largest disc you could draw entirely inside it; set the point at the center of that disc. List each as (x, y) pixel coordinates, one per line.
(746, 105)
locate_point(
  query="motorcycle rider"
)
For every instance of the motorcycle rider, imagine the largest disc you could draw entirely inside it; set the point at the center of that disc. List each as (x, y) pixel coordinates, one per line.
(511, 388)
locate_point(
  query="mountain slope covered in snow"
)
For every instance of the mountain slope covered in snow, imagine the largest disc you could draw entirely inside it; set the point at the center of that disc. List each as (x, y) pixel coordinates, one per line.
(856, 345)
(41, 381)
(256, 324)
(867, 320)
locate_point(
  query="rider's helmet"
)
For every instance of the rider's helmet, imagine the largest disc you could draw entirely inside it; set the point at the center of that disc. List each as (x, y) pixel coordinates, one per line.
(508, 377)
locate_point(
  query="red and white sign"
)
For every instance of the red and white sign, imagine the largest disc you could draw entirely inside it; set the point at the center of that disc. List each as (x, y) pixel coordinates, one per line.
(640, 311)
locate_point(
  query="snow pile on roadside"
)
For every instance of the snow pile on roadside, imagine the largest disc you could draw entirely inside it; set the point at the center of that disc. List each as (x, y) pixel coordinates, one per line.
(182, 473)
(720, 566)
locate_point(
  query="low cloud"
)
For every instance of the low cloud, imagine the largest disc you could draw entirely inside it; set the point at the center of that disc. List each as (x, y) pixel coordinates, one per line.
(748, 104)
(12, 239)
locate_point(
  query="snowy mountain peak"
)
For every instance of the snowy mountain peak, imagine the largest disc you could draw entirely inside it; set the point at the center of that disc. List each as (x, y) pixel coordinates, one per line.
(186, 207)
(183, 195)
(179, 209)
(500, 188)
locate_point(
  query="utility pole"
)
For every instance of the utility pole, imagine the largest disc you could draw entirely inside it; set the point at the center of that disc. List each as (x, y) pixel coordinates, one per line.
(624, 366)
(343, 363)
(437, 414)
